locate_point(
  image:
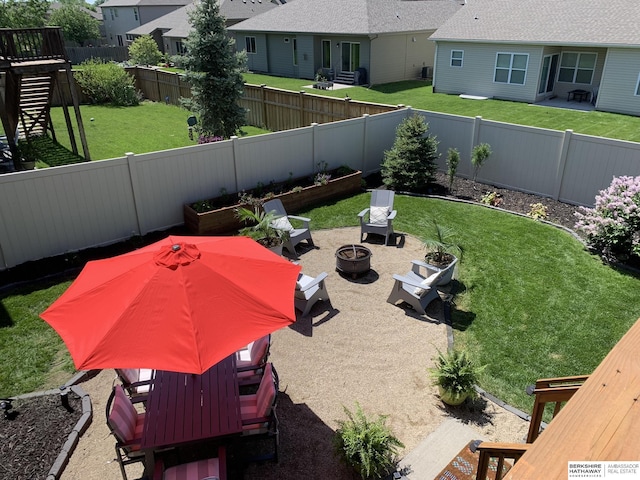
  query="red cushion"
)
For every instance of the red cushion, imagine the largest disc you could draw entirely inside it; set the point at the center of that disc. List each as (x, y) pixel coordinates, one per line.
(124, 420)
(194, 470)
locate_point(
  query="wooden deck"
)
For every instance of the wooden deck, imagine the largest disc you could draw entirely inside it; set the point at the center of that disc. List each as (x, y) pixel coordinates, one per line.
(600, 423)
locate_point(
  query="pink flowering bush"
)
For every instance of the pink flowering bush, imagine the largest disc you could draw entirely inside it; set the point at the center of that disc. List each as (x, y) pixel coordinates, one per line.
(209, 139)
(613, 226)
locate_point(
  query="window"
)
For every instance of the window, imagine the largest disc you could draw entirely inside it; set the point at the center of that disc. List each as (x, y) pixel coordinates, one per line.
(112, 14)
(326, 53)
(116, 12)
(577, 67)
(135, 13)
(456, 58)
(180, 48)
(250, 44)
(130, 38)
(511, 68)
(295, 52)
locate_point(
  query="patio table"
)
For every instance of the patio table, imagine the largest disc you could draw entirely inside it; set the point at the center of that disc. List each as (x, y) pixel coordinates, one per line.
(185, 408)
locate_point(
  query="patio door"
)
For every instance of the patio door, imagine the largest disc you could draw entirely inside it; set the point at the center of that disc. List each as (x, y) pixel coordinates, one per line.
(548, 73)
(350, 56)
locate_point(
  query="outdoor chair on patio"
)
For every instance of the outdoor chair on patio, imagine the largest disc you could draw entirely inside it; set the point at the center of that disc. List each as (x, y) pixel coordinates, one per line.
(378, 218)
(258, 411)
(308, 291)
(126, 425)
(207, 469)
(250, 361)
(417, 287)
(136, 381)
(296, 235)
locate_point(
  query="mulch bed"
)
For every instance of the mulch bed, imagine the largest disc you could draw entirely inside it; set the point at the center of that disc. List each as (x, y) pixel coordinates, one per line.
(32, 436)
(31, 442)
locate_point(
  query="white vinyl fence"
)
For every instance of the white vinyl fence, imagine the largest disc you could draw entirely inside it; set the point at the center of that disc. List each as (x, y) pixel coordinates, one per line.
(65, 209)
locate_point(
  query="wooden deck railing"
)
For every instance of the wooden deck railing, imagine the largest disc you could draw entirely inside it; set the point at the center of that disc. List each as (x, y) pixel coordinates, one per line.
(31, 44)
(546, 390)
(500, 451)
(551, 390)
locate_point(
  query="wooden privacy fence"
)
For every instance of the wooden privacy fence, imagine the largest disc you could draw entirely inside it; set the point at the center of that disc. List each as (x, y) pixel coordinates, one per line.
(269, 108)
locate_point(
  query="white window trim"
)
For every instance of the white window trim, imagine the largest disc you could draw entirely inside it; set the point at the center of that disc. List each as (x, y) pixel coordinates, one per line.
(452, 59)
(575, 69)
(509, 82)
(255, 45)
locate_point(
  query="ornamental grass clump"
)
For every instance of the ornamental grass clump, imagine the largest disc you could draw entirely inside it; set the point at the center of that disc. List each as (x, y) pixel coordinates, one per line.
(368, 446)
(612, 227)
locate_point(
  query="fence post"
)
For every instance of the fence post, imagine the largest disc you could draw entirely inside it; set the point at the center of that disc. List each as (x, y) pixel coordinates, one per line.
(133, 180)
(158, 86)
(346, 107)
(234, 144)
(263, 99)
(314, 145)
(301, 97)
(365, 125)
(562, 161)
(475, 134)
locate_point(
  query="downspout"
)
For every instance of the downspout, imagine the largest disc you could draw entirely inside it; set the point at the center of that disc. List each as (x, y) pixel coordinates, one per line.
(433, 74)
(371, 39)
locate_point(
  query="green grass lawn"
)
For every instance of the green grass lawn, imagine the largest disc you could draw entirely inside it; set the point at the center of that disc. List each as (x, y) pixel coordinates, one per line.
(113, 131)
(531, 301)
(419, 94)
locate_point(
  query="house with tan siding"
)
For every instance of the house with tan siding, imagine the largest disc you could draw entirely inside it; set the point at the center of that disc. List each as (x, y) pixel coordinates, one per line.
(532, 50)
(360, 41)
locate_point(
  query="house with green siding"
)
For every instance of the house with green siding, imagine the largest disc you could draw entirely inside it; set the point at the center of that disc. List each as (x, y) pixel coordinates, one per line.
(530, 51)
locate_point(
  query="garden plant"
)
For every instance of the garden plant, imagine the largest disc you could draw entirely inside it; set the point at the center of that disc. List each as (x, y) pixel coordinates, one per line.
(367, 445)
(479, 155)
(456, 375)
(107, 83)
(453, 159)
(144, 51)
(612, 227)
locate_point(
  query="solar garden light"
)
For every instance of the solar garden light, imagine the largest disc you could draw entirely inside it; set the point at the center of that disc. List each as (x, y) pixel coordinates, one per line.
(5, 405)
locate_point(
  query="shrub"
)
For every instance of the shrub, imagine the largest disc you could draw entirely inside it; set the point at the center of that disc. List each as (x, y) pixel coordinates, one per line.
(478, 156)
(491, 198)
(455, 372)
(453, 158)
(411, 162)
(538, 211)
(368, 446)
(144, 51)
(107, 83)
(613, 226)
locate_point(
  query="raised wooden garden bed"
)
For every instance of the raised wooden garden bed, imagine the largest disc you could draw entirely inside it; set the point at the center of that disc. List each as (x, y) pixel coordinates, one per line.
(224, 221)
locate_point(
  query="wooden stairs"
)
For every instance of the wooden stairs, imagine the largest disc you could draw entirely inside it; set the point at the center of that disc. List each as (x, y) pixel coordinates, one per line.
(36, 92)
(346, 78)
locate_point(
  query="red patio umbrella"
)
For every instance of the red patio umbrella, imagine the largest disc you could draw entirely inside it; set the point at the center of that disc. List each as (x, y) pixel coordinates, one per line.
(181, 304)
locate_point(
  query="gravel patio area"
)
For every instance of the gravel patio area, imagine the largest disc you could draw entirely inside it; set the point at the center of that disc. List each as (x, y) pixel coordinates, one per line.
(357, 349)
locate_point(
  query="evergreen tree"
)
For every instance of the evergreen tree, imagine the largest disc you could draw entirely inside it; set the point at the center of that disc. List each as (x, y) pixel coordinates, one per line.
(214, 68)
(411, 163)
(144, 51)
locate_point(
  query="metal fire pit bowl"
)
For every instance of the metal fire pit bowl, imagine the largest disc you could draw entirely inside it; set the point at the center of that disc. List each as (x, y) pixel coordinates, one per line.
(353, 259)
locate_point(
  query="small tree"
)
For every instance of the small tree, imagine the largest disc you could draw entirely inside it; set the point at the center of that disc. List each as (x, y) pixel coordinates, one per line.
(453, 158)
(478, 156)
(144, 51)
(411, 162)
(214, 69)
(77, 25)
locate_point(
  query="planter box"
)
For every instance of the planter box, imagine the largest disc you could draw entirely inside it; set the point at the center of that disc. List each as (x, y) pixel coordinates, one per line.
(223, 220)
